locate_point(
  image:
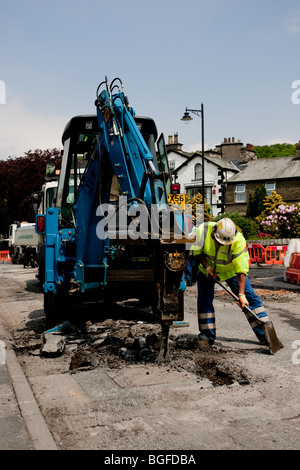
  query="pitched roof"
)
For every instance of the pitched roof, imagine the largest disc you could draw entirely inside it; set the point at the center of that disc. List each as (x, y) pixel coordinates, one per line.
(222, 163)
(182, 153)
(216, 160)
(264, 169)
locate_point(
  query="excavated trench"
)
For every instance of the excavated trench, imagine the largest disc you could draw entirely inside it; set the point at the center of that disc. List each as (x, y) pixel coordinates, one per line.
(115, 343)
(129, 336)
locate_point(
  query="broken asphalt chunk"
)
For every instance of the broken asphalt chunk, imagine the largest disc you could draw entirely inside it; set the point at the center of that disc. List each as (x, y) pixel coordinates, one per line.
(54, 345)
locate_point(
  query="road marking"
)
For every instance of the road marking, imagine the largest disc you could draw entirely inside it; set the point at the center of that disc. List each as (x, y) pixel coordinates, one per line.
(2, 352)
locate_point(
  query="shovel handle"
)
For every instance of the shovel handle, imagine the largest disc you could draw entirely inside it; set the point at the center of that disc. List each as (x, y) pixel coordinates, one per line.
(246, 309)
(270, 334)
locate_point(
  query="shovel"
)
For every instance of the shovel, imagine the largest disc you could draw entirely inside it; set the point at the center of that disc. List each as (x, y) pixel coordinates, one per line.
(270, 334)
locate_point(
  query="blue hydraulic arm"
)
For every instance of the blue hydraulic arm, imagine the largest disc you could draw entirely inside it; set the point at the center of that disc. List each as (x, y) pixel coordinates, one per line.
(120, 143)
(129, 155)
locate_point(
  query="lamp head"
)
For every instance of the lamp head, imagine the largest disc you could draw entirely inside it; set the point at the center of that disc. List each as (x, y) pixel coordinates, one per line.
(186, 118)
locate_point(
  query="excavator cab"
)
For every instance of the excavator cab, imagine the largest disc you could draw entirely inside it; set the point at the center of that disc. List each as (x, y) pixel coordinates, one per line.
(79, 138)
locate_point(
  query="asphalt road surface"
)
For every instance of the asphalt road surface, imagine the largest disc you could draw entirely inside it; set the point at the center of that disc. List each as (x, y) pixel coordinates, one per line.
(104, 392)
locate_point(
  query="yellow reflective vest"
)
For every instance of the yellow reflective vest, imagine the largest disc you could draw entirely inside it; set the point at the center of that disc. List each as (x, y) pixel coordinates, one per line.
(226, 260)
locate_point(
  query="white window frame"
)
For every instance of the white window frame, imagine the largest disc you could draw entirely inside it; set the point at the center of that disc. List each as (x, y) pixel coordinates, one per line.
(194, 190)
(269, 191)
(172, 164)
(240, 193)
(198, 171)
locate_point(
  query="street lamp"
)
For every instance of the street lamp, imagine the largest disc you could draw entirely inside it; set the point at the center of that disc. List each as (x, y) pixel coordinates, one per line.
(186, 119)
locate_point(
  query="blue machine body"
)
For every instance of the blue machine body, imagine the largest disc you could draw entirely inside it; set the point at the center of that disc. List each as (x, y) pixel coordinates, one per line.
(108, 159)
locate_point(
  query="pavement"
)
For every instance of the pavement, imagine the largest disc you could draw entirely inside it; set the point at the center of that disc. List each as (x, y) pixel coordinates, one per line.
(270, 276)
(13, 431)
(22, 426)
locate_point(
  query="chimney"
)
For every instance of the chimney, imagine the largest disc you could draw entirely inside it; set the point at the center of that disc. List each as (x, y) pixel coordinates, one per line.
(173, 142)
(233, 140)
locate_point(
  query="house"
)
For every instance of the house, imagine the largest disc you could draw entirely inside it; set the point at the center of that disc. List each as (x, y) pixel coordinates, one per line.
(176, 156)
(232, 172)
(280, 174)
(186, 168)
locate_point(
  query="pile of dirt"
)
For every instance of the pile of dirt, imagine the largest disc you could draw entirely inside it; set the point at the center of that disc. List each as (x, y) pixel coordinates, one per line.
(113, 344)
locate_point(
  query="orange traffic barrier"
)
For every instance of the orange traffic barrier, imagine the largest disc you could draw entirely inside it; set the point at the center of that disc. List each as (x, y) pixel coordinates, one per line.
(256, 253)
(269, 254)
(5, 256)
(293, 272)
(275, 254)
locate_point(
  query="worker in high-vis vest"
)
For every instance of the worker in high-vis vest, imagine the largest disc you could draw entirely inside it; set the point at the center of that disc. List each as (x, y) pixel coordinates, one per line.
(221, 252)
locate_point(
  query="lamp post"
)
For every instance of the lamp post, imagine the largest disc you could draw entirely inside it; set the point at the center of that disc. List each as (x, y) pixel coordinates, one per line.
(187, 118)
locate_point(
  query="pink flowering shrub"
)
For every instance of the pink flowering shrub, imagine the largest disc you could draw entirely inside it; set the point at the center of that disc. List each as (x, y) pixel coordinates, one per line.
(283, 222)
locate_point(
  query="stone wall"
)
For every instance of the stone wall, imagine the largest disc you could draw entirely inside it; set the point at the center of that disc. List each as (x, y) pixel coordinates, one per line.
(270, 242)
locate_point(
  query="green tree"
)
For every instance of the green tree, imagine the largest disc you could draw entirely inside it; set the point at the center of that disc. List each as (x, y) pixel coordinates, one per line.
(250, 207)
(270, 204)
(256, 202)
(275, 150)
(19, 178)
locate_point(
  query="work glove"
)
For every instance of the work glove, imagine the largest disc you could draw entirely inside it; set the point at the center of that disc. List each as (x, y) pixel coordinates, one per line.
(210, 274)
(243, 301)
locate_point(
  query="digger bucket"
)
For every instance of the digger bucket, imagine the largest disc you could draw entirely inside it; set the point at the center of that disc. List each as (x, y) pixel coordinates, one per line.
(272, 340)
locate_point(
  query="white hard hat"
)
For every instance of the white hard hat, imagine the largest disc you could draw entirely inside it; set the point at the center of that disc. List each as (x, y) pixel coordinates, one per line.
(225, 231)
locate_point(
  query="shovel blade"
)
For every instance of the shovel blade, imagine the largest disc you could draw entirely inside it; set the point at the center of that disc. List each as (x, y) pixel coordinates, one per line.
(272, 340)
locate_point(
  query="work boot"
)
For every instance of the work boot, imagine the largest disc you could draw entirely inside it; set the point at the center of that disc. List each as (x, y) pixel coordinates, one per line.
(204, 342)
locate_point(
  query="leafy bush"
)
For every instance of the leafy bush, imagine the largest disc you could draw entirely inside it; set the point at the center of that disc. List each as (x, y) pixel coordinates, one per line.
(283, 222)
(196, 203)
(270, 204)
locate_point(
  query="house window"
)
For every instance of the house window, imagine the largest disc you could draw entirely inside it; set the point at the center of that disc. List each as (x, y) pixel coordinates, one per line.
(240, 193)
(270, 186)
(193, 191)
(198, 171)
(208, 195)
(172, 164)
(196, 190)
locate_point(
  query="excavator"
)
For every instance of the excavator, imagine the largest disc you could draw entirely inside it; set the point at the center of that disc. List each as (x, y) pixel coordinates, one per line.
(112, 231)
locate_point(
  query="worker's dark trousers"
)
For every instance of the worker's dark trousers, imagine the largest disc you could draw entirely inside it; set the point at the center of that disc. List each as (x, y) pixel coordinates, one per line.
(206, 312)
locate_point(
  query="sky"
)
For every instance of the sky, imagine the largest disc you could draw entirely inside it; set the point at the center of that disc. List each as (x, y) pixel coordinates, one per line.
(239, 58)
